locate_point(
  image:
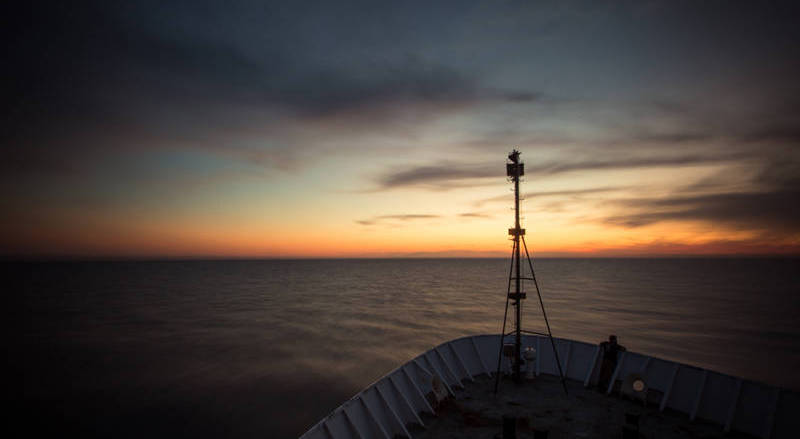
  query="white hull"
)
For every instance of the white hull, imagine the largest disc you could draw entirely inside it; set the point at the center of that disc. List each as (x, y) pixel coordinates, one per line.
(386, 407)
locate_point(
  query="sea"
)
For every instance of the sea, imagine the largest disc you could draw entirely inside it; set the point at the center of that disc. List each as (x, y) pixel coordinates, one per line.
(266, 348)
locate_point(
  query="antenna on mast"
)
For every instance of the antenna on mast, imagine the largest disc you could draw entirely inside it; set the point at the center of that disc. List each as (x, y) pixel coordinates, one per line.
(514, 170)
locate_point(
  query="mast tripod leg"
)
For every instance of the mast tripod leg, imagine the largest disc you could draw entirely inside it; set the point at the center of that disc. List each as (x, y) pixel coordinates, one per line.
(546, 322)
(505, 318)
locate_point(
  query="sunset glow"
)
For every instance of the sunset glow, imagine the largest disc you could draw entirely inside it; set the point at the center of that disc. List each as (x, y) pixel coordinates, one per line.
(382, 132)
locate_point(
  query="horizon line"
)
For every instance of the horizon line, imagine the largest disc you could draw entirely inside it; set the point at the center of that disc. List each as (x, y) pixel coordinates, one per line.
(76, 258)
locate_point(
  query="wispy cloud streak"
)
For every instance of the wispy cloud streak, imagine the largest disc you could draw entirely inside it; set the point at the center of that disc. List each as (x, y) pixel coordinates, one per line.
(773, 208)
(402, 217)
(474, 215)
(543, 194)
(462, 174)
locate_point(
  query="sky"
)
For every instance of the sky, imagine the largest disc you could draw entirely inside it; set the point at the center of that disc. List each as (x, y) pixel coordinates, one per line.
(381, 129)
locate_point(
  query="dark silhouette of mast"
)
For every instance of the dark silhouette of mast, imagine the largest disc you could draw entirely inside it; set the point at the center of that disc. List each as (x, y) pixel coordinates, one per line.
(514, 171)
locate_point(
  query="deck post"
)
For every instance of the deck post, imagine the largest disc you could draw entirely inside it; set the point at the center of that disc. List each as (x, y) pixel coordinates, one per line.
(374, 418)
(668, 390)
(408, 402)
(461, 361)
(478, 353)
(616, 372)
(419, 391)
(449, 369)
(566, 359)
(438, 372)
(591, 368)
(770, 424)
(393, 411)
(643, 369)
(699, 396)
(328, 430)
(734, 403)
(353, 424)
(424, 369)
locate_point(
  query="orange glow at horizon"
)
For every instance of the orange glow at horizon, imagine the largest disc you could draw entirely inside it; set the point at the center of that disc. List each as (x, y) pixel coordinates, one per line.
(451, 237)
(313, 213)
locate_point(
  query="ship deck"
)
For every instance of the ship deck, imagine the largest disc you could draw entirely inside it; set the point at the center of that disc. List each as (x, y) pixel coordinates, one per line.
(683, 401)
(540, 405)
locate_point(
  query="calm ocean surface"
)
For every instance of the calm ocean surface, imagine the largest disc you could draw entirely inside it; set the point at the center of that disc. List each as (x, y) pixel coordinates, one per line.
(266, 348)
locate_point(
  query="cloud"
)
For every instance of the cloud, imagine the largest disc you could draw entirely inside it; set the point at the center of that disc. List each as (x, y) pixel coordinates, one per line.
(89, 80)
(670, 138)
(413, 217)
(474, 215)
(172, 74)
(444, 176)
(772, 209)
(750, 209)
(456, 253)
(630, 163)
(759, 245)
(403, 217)
(775, 133)
(559, 193)
(433, 174)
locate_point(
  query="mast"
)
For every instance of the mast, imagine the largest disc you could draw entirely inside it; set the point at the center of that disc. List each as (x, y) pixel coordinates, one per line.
(514, 170)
